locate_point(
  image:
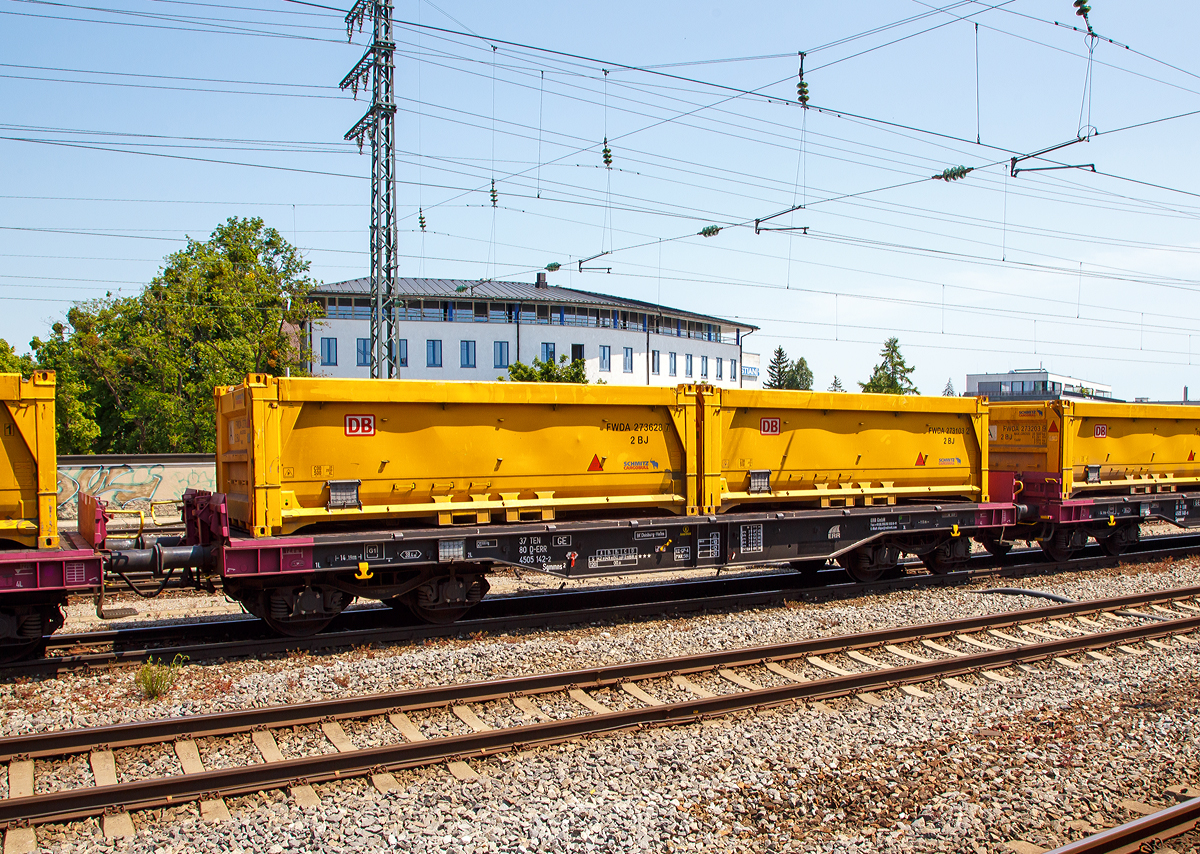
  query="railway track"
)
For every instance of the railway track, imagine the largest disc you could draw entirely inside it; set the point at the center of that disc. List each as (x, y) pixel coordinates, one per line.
(246, 637)
(1146, 834)
(519, 712)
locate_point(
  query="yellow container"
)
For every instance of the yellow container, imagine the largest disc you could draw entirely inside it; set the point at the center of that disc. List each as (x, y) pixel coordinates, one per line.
(294, 452)
(1099, 447)
(842, 450)
(28, 464)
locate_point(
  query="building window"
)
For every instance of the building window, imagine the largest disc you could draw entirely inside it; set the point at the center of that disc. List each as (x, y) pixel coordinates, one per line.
(733, 369)
(628, 363)
(704, 367)
(433, 353)
(671, 364)
(687, 365)
(500, 354)
(720, 362)
(547, 352)
(328, 351)
(654, 362)
(466, 354)
(362, 352)
(605, 358)
(402, 346)
(576, 352)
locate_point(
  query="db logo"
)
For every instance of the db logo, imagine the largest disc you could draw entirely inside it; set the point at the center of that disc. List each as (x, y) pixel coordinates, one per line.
(1101, 431)
(360, 425)
(769, 427)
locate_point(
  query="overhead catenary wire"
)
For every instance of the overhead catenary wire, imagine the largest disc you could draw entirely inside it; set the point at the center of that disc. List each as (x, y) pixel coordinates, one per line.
(539, 159)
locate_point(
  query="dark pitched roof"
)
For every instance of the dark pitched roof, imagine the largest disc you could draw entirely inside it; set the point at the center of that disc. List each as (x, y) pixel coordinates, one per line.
(518, 291)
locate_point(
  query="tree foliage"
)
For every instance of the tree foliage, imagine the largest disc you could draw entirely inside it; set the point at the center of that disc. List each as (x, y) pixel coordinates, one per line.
(549, 372)
(836, 385)
(11, 363)
(892, 374)
(136, 374)
(949, 391)
(777, 370)
(785, 374)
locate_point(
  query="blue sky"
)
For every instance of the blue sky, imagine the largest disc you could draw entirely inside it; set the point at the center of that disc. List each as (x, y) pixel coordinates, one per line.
(124, 130)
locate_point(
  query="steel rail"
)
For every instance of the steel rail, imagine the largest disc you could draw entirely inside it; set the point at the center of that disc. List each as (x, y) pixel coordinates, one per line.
(561, 611)
(1143, 834)
(60, 743)
(63, 742)
(159, 792)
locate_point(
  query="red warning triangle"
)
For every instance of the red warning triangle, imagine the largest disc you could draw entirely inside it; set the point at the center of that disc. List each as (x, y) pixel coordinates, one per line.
(1053, 426)
(920, 459)
(1192, 457)
(596, 465)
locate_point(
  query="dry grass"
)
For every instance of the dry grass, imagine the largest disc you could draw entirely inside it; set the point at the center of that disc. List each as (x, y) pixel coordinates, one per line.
(155, 679)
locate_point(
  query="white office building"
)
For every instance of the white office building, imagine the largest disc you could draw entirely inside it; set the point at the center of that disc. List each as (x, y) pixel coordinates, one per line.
(1034, 384)
(464, 330)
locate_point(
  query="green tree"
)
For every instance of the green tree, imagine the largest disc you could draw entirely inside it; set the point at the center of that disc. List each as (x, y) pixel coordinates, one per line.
(136, 374)
(836, 385)
(777, 371)
(799, 376)
(11, 363)
(785, 374)
(949, 391)
(549, 372)
(892, 374)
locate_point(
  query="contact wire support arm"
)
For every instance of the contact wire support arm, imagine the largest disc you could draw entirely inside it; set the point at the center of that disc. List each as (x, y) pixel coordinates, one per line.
(1014, 171)
(583, 261)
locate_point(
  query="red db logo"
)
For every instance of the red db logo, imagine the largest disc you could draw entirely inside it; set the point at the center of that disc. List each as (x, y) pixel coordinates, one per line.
(1101, 431)
(360, 425)
(769, 427)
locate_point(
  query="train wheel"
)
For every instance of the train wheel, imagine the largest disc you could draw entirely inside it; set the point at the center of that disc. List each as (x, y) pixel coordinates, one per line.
(434, 616)
(995, 546)
(18, 650)
(1061, 544)
(947, 556)
(297, 612)
(1120, 540)
(444, 600)
(869, 563)
(808, 569)
(297, 628)
(936, 566)
(28, 627)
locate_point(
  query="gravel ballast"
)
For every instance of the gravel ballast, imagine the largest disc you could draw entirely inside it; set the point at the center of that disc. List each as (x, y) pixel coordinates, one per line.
(1043, 758)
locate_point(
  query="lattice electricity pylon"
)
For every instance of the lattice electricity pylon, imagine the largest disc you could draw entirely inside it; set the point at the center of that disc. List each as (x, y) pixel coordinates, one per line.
(379, 123)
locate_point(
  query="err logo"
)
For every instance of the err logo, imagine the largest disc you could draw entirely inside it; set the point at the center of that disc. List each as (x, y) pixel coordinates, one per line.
(360, 425)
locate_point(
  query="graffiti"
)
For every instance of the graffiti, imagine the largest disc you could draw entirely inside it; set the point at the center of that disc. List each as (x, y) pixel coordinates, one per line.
(130, 486)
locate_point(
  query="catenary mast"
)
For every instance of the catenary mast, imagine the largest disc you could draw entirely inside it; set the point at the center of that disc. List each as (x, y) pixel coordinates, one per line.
(379, 124)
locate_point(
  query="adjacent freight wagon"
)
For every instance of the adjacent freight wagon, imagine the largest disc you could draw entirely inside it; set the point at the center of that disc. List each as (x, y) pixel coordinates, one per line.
(814, 449)
(1096, 469)
(38, 566)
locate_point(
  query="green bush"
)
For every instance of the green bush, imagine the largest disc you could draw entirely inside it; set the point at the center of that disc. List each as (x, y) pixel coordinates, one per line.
(155, 678)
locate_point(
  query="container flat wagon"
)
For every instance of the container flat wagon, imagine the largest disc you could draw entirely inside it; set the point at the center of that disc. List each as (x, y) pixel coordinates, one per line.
(39, 565)
(411, 493)
(1090, 469)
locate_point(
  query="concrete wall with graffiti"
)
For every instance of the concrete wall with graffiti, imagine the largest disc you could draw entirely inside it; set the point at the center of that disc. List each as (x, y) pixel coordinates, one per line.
(132, 482)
